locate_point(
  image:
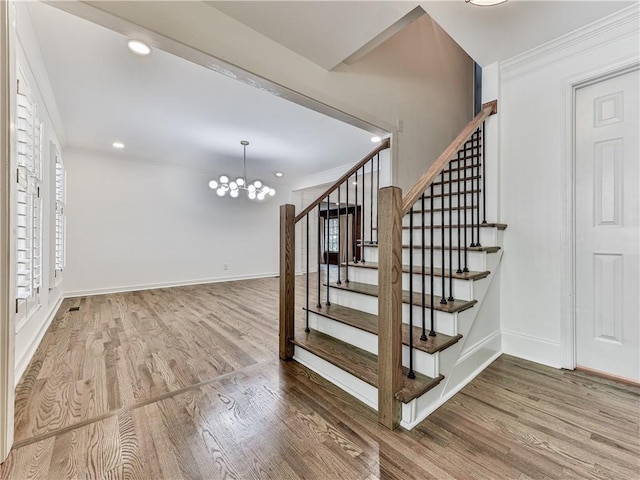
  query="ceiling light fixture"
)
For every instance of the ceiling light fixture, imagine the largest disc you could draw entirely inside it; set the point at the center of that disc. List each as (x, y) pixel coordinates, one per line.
(139, 48)
(485, 3)
(256, 190)
(375, 139)
(278, 174)
(118, 145)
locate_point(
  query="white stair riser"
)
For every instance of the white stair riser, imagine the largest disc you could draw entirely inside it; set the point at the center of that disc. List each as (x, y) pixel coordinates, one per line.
(444, 322)
(467, 186)
(476, 261)
(488, 236)
(437, 218)
(349, 383)
(448, 201)
(468, 165)
(462, 289)
(422, 362)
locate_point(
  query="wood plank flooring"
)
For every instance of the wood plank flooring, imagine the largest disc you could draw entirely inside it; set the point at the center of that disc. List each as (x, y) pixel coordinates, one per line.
(185, 383)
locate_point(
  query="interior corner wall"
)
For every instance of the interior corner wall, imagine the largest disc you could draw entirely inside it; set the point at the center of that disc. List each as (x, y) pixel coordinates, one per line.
(133, 225)
(31, 329)
(534, 165)
(419, 76)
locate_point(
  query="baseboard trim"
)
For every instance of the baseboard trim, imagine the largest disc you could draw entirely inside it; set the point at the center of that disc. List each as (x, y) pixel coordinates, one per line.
(23, 363)
(534, 349)
(152, 286)
(463, 383)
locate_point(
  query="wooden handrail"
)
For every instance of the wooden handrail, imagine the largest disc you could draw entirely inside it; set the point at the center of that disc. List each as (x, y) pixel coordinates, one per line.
(383, 146)
(437, 167)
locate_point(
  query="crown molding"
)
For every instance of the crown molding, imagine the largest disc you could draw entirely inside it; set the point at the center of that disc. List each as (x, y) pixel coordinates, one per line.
(616, 26)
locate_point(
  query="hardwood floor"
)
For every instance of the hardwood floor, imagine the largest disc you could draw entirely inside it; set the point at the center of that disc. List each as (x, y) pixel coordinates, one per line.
(186, 383)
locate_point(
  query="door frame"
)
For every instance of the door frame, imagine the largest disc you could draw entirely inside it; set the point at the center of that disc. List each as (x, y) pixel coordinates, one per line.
(7, 138)
(568, 343)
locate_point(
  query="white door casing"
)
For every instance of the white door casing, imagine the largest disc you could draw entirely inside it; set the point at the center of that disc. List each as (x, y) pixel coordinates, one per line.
(607, 213)
(7, 138)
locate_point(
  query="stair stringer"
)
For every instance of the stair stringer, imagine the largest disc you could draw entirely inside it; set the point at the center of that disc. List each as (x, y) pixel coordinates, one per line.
(480, 345)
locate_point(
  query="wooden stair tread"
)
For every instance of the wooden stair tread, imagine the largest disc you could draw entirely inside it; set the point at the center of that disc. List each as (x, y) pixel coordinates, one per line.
(368, 322)
(372, 290)
(437, 272)
(499, 226)
(492, 249)
(360, 363)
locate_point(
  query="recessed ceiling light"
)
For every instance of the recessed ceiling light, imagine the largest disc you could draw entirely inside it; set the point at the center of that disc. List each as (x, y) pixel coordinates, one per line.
(375, 139)
(117, 145)
(139, 48)
(485, 3)
(278, 174)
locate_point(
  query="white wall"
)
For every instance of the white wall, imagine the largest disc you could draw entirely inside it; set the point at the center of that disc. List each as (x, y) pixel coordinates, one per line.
(31, 329)
(535, 174)
(134, 225)
(420, 75)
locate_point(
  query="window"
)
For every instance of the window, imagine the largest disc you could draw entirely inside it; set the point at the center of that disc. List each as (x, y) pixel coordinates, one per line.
(332, 226)
(59, 234)
(29, 203)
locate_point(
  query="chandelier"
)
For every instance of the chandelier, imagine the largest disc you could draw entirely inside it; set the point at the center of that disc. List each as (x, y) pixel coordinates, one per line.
(255, 191)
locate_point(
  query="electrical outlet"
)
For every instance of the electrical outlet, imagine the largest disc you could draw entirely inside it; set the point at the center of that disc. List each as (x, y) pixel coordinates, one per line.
(225, 266)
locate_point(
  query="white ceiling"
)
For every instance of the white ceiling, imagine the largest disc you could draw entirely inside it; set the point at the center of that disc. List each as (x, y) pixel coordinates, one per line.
(168, 110)
(492, 34)
(328, 32)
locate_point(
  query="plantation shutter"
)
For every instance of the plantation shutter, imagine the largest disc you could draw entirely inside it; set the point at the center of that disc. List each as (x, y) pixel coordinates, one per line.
(60, 220)
(29, 203)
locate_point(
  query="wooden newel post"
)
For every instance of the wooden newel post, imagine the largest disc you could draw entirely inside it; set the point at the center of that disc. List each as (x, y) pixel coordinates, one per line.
(389, 305)
(287, 279)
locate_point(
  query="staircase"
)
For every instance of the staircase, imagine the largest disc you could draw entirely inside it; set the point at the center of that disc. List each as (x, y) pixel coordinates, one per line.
(406, 318)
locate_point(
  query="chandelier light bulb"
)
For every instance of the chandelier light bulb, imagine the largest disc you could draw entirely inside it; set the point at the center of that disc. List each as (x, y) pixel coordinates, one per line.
(233, 186)
(272, 192)
(220, 192)
(213, 184)
(261, 196)
(240, 182)
(252, 188)
(234, 193)
(257, 183)
(252, 195)
(224, 179)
